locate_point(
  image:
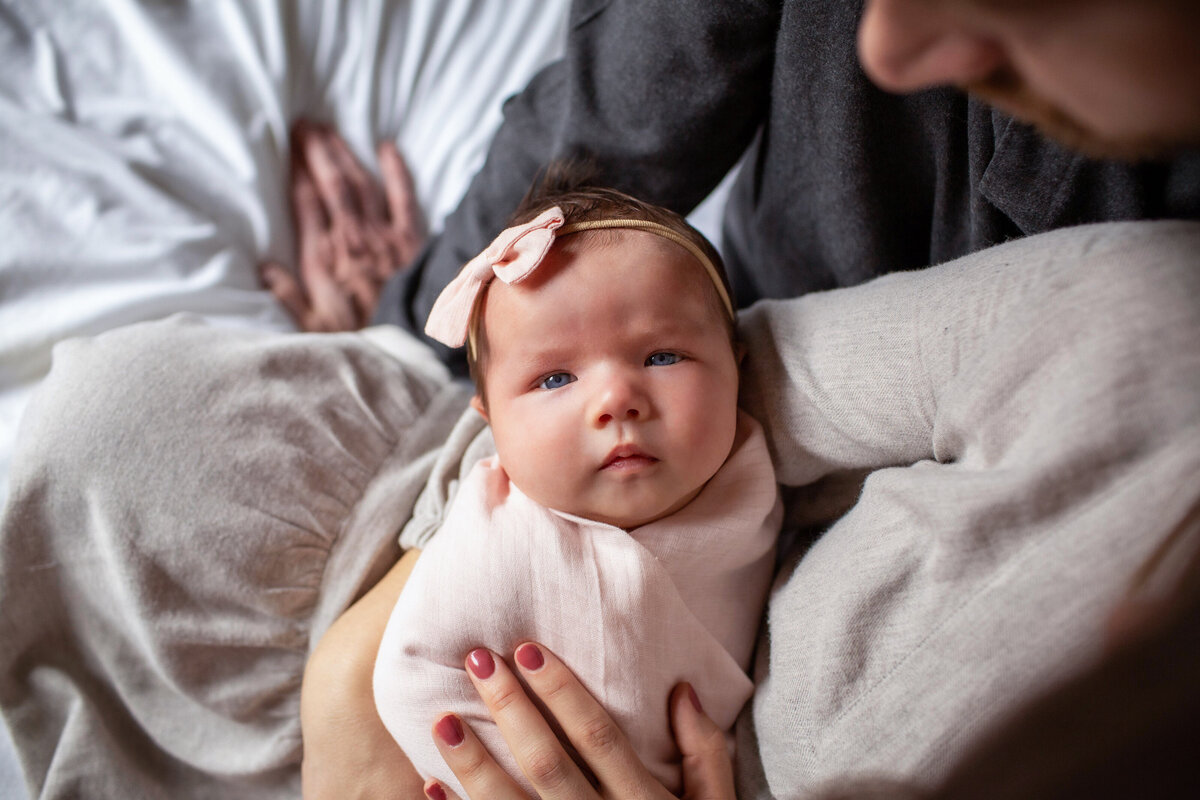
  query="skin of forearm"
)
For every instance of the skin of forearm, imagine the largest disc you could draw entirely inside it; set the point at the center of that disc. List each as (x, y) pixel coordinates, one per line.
(353, 639)
(344, 739)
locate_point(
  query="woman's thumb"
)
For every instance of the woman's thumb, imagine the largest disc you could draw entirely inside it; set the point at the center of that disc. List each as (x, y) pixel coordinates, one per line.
(707, 768)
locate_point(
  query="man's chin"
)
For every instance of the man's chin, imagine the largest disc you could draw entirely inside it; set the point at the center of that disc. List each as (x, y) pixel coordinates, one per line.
(1016, 100)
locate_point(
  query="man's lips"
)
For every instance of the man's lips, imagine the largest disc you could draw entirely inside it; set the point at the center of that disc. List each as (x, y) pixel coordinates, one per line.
(627, 457)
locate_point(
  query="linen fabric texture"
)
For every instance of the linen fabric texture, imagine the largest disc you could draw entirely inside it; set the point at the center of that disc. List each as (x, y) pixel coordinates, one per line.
(632, 613)
(976, 458)
(191, 508)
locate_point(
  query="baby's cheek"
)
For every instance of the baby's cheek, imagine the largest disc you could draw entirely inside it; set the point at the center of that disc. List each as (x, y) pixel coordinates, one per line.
(719, 442)
(550, 478)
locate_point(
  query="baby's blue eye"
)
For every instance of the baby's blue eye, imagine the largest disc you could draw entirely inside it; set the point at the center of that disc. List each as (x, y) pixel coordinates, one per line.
(556, 381)
(663, 360)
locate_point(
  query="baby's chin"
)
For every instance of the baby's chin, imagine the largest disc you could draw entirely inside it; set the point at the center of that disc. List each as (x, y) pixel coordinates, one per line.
(627, 520)
(632, 516)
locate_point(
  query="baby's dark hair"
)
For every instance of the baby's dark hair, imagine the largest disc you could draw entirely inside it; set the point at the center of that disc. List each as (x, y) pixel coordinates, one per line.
(574, 188)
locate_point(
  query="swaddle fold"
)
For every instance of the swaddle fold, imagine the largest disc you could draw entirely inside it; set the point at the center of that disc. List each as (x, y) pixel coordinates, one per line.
(631, 613)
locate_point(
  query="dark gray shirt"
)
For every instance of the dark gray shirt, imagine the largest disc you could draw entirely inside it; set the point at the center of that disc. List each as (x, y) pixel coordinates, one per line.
(843, 181)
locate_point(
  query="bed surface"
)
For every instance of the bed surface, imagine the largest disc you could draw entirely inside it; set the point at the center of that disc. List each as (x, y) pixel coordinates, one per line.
(143, 146)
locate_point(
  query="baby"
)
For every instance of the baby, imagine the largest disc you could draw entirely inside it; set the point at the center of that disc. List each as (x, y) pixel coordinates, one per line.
(629, 517)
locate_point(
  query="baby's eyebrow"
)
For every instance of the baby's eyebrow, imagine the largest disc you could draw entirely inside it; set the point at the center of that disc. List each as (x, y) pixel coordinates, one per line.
(670, 330)
(533, 359)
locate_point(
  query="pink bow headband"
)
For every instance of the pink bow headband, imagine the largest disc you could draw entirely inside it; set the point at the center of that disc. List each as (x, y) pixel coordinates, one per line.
(516, 253)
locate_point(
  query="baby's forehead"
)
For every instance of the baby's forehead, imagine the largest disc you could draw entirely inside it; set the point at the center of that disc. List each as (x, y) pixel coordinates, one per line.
(597, 254)
(640, 268)
(625, 284)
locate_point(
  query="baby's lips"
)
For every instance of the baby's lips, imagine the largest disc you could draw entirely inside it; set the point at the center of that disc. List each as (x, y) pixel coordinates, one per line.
(627, 453)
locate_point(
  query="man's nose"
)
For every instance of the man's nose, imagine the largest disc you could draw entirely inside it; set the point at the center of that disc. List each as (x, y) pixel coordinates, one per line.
(905, 45)
(619, 398)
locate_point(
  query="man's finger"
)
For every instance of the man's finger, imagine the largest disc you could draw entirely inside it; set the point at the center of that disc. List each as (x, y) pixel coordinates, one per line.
(407, 221)
(382, 253)
(365, 295)
(307, 211)
(331, 307)
(356, 275)
(336, 192)
(368, 198)
(707, 768)
(288, 292)
(285, 288)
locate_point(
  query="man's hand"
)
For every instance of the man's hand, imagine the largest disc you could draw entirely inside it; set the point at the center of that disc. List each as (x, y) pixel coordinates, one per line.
(351, 235)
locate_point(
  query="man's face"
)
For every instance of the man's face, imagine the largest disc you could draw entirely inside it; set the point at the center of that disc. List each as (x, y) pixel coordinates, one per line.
(611, 381)
(1113, 78)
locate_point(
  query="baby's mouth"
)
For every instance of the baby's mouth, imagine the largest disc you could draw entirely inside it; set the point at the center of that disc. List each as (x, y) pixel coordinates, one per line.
(627, 457)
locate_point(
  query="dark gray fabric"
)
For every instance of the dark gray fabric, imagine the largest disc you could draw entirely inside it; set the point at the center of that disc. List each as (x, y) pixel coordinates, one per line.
(845, 182)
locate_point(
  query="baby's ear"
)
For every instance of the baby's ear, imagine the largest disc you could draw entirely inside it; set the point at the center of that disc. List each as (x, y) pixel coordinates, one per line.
(477, 404)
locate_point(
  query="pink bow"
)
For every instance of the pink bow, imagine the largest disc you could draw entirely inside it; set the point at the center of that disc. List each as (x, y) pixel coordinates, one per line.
(511, 257)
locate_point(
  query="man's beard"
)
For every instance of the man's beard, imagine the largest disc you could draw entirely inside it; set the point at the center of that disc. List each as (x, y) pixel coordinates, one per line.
(1005, 90)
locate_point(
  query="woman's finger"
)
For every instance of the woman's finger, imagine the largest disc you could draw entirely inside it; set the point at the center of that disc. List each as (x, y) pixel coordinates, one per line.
(479, 774)
(536, 749)
(707, 768)
(596, 737)
(436, 790)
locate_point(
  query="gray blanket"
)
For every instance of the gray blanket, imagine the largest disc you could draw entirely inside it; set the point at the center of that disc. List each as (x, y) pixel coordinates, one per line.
(978, 457)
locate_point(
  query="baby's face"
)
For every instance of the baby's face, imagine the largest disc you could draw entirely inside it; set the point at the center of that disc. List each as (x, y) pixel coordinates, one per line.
(611, 381)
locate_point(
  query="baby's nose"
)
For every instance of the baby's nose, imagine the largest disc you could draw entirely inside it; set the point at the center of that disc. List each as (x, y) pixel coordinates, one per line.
(619, 401)
(629, 414)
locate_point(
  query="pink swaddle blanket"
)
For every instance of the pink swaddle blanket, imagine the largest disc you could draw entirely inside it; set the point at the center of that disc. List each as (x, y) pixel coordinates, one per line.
(632, 613)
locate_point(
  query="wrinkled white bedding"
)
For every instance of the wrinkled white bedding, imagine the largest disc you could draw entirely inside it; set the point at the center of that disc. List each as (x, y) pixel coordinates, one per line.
(143, 149)
(143, 146)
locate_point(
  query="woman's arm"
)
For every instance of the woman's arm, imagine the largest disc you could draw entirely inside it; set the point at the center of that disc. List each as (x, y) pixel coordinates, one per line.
(347, 751)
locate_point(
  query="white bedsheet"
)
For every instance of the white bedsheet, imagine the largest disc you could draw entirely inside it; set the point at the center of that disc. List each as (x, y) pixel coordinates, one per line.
(143, 146)
(143, 149)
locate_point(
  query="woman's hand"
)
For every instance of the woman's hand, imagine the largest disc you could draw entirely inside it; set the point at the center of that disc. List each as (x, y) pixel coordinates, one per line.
(351, 235)
(707, 770)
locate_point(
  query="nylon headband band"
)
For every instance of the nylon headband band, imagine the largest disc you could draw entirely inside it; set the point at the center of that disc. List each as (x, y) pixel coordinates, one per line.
(664, 232)
(636, 224)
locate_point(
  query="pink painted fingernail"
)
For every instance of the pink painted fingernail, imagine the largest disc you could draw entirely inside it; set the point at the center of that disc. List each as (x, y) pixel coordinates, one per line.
(481, 663)
(530, 657)
(695, 698)
(434, 791)
(450, 730)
